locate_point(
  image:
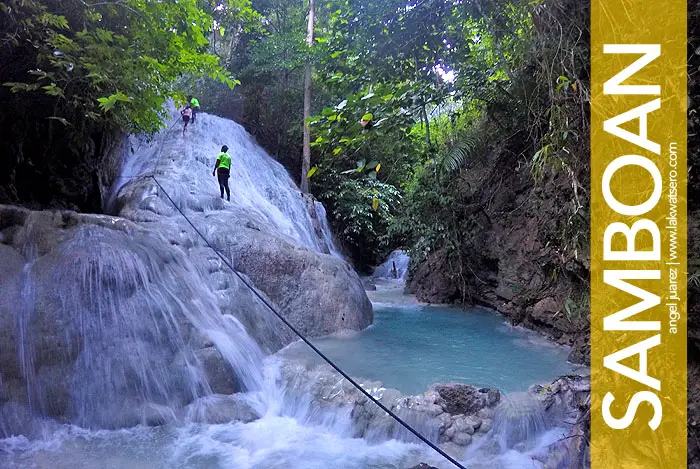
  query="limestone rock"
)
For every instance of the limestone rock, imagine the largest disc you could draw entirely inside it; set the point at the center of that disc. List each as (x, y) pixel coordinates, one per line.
(466, 399)
(219, 408)
(462, 439)
(219, 373)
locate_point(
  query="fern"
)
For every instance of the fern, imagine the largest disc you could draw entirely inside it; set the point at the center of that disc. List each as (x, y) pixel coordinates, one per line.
(459, 154)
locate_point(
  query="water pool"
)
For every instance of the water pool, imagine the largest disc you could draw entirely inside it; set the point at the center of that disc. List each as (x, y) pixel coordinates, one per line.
(411, 346)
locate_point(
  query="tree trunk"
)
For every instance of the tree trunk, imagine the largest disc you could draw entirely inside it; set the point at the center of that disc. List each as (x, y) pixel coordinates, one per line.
(306, 154)
(427, 124)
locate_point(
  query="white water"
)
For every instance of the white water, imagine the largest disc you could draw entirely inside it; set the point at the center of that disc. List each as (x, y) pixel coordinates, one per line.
(395, 267)
(130, 313)
(260, 187)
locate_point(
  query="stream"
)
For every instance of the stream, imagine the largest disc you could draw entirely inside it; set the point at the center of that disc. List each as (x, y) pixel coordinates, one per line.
(128, 345)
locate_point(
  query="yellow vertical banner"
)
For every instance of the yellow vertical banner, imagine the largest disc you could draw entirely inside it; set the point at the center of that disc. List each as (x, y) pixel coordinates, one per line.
(638, 234)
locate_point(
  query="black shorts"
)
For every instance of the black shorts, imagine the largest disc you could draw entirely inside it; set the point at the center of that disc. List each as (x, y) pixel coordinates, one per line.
(223, 174)
(186, 119)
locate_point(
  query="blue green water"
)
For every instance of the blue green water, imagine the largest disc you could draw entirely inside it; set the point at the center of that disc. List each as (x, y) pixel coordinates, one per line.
(410, 347)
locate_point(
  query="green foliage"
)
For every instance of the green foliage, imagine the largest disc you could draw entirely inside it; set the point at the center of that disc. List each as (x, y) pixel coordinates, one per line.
(459, 153)
(361, 211)
(114, 63)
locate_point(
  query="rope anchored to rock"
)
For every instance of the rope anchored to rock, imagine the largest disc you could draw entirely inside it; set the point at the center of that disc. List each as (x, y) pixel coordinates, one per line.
(290, 326)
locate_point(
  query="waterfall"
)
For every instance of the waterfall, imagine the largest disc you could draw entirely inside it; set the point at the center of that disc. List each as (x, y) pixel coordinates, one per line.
(326, 233)
(127, 342)
(130, 326)
(397, 259)
(116, 325)
(260, 186)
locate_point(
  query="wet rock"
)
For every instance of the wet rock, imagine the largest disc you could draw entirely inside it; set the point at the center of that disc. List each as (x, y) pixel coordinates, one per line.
(55, 382)
(473, 421)
(486, 413)
(444, 422)
(485, 426)
(423, 466)
(464, 398)
(15, 419)
(217, 409)
(432, 283)
(156, 415)
(432, 410)
(219, 373)
(389, 396)
(581, 350)
(461, 425)
(318, 294)
(462, 439)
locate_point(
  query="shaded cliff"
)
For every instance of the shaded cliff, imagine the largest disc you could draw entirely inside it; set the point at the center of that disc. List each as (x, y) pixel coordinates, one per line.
(523, 252)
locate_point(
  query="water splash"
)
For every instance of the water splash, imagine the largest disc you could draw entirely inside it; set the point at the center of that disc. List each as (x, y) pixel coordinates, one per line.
(116, 324)
(519, 418)
(395, 267)
(326, 233)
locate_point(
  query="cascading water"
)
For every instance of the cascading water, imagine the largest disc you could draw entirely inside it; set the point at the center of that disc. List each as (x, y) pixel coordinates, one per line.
(128, 316)
(260, 186)
(326, 229)
(395, 267)
(136, 311)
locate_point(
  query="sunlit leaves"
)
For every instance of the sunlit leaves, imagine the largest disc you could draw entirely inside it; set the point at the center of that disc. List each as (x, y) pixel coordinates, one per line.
(116, 62)
(108, 102)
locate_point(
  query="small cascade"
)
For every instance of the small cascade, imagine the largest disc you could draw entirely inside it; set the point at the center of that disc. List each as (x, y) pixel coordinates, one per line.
(395, 267)
(136, 327)
(519, 418)
(326, 233)
(260, 186)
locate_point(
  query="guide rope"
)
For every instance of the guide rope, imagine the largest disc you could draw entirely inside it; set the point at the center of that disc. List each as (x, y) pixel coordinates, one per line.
(296, 332)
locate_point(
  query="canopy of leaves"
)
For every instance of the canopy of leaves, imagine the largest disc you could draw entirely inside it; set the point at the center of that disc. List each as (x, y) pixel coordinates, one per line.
(110, 62)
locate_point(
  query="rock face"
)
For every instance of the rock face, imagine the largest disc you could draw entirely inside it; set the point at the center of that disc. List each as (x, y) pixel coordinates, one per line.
(567, 403)
(527, 256)
(112, 321)
(466, 399)
(75, 169)
(269, 232)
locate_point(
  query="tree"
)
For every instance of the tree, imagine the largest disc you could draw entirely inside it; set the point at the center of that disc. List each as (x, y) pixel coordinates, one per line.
(306, 155)
(76, 73)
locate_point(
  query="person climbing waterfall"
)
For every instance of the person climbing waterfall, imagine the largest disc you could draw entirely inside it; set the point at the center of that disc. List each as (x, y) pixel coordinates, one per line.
(194, 102)
(186, 115)
(223, 166)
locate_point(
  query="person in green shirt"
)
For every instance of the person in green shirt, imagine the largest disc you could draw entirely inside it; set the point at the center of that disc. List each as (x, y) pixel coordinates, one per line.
(194, 102)
(223, 168)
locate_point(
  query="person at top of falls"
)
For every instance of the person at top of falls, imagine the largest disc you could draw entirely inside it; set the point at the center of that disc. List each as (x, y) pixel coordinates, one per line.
(223, 167)
(186, 115)
(194, 102)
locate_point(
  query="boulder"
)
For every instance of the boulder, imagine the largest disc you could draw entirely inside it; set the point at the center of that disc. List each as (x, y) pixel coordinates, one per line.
(219, 408)
(465, 399)
(580, 353)
(218, 371)
(462, 439)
